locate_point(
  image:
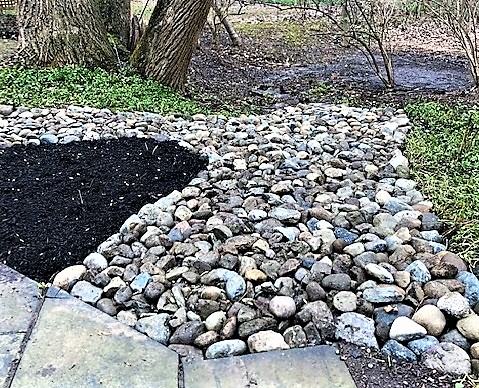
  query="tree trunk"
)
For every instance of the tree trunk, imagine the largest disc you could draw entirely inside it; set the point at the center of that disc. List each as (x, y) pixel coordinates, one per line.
(235, 38)
(165, 49)
(63, 32)
(116, 15)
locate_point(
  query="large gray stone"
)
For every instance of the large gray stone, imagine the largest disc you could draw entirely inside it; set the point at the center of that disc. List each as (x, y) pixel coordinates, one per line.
(356, 329)
(75, 345)
(447, 358)
(20, 301)
(295, 368)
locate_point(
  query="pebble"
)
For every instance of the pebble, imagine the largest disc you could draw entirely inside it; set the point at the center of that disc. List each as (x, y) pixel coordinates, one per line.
(356, 329)
(421, 345)
(469, 327)
(86, 292)
(345, 301)
(405, 329)
(156, 327)
(67, 278)
(398, 351)
(384, 294)
(447, 358)
(282, 307)
(454, 304)
(265, 341)
(226, 348)
(471, 286)
(380, 273)
(431, 318)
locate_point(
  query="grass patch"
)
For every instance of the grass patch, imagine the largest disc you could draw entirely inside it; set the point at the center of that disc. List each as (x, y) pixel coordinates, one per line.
(97, 88)
(291, 32)
(444, 151)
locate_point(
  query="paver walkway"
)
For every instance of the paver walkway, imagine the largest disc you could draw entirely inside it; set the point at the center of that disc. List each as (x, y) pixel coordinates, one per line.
(55, 340)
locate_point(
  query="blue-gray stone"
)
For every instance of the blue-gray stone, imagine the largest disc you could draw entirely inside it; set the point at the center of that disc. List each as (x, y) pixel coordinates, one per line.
(291, 163)
(419, 272)
(312, 224)
(437, 247)
(385, 316)
(346, 235)
(69, 139)
(430, 222)
(394, 205)
(471, 286)
(48, 138)
(419, 346)
(431, 235)
(307, 262)
(376, 246)
(140, 281)
(398, 352)
(384, 294)
(235, 284)
(456, 338)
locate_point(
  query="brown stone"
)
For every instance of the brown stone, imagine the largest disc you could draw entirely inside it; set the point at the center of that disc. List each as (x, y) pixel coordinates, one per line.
(444, 270)
(455, 260)
(435, 289)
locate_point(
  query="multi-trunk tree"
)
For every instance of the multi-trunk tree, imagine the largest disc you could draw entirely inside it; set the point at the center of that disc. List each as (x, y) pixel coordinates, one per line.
(90, 33)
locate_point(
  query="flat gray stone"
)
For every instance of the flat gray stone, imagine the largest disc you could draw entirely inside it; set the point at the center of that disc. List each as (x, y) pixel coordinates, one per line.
(317, 366)
(9, 352)
(19, 301)
(75, 345)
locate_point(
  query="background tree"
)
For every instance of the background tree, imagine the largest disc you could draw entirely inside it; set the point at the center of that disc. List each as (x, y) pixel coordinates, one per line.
(63, 32)
(461, 17)
(164, 51)
(116, 15)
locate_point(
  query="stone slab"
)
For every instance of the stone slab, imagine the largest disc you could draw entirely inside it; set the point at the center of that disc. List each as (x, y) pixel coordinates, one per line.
(317, 366)
(19, 301)
(10, 345)
(76, 345)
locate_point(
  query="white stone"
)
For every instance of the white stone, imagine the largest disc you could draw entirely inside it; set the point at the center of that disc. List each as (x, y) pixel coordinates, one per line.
(282, 307)
(345, 301)
(265, 341)
(69, 276)
(405, 329)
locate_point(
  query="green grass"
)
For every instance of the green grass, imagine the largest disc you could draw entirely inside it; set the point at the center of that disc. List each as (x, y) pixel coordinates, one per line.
(97, 88)
(291, 32)
(444, 152)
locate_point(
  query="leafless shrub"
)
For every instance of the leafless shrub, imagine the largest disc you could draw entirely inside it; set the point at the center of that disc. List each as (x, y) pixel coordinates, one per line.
(461, 17)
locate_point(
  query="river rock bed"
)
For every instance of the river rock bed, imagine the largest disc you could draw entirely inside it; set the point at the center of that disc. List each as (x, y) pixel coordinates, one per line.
(304, 229)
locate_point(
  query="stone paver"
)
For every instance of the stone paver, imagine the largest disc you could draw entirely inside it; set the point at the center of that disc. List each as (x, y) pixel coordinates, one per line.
(307, 367)
(19, 301)
(75, 345)
(19, 305)
(9, 351)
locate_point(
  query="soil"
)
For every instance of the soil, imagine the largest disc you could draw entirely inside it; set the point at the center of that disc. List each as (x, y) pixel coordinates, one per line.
(59, 202)
(294, 61)
(371, 369)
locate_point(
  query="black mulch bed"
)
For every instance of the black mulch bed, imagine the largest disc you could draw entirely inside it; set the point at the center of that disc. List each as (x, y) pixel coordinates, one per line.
(59, 202)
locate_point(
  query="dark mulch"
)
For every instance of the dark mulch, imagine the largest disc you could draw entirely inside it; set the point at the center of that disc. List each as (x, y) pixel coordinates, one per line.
(371, 369)
(59, 202)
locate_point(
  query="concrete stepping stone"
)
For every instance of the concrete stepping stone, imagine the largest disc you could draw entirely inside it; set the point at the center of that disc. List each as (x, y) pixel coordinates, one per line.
(317, 366)
(75, 345)
(19, 305)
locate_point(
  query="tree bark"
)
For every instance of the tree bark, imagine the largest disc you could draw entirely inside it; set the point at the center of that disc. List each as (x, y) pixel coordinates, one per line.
(116, 15)
(235, 38)
(63, 32)
(165, 49)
